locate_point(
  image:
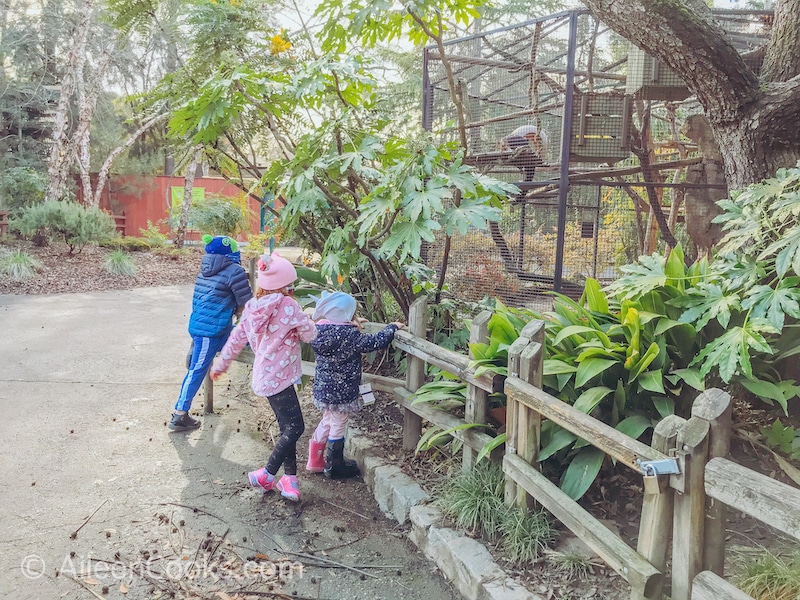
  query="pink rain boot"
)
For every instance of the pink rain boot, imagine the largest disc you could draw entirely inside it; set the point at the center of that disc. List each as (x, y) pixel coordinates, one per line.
(316, 457)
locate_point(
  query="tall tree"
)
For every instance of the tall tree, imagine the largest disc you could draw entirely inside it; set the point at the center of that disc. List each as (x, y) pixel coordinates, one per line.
(754, 118)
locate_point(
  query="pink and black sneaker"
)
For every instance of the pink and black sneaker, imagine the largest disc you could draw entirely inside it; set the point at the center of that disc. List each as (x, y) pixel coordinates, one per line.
(289, 488)
(261, 479)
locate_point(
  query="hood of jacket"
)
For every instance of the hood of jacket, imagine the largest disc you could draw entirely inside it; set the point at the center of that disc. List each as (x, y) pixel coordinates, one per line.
(212, 264)
(263, 310)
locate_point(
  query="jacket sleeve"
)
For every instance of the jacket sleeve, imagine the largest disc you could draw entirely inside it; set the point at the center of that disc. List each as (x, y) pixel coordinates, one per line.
(240, 286)
(306, 329)
(237, 340)
(366, 342)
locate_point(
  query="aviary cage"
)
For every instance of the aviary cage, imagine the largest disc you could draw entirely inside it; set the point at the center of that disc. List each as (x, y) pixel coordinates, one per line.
(543, 102)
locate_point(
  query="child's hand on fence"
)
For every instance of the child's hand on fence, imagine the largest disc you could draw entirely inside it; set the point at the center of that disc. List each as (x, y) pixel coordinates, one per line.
(398, 324)
(215, 372)
(359, 322)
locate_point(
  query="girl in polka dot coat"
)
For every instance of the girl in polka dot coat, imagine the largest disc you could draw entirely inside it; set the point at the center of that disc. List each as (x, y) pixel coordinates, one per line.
(338, 348)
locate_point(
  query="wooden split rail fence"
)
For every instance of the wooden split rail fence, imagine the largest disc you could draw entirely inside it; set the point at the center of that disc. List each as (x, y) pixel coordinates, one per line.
(687, 507)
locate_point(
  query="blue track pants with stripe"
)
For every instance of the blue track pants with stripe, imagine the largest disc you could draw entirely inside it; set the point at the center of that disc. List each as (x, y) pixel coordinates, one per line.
(203, 353)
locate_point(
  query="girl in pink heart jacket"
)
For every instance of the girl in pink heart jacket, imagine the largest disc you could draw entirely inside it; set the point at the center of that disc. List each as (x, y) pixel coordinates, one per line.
(274, 324)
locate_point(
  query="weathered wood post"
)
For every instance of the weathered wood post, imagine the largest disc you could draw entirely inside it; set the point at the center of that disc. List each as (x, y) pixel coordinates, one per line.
(415, 373)
(208, 393)
(252, 272)
(655, 525)
(690, 506)
(476, 409)
(523, 425)
(714, 406)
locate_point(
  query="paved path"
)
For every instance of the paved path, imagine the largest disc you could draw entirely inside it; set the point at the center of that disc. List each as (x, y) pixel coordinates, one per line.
(86, 385)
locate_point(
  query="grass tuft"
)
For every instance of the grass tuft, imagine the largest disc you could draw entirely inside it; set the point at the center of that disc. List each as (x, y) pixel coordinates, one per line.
(475, 499)
(570, 564)
(119, 264)
(18, 265)
(769, 576)
(526, 534)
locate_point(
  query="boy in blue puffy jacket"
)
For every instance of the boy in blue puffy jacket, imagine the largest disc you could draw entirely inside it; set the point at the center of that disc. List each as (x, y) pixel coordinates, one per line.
(221, 290)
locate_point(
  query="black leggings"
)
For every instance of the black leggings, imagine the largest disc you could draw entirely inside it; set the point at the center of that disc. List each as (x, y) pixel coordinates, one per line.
(290, 421)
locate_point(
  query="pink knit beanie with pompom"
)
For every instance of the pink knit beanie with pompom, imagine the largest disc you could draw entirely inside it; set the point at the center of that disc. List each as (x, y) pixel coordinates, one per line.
(275, 272)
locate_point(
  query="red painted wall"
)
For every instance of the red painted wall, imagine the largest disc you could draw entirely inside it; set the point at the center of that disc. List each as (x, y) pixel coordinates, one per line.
(140, 198)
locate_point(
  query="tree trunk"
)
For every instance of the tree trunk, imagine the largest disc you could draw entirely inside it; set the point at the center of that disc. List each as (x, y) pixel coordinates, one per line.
(191, 170)
(102, 175)
(59, 160)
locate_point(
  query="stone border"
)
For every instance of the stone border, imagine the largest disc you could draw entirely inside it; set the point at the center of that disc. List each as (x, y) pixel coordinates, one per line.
(464, 561)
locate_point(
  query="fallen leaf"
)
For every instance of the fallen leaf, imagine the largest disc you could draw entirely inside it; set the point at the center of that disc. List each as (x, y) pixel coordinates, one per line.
(123, 589)
(219, 482)
(91, 581)
(223, 596)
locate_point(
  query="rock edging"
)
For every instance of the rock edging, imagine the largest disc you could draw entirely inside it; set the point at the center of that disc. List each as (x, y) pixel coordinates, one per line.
(463, 560)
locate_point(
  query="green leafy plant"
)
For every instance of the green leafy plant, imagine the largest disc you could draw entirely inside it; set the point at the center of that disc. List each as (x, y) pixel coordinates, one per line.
(75, 224)
(18, 264)
(783, 438)
(152, 234)
(218, 215)
(572, 565)
(119, 264)
(127, 243)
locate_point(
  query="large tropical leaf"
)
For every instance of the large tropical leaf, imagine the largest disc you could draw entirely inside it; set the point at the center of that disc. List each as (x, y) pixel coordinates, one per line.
(582, 471)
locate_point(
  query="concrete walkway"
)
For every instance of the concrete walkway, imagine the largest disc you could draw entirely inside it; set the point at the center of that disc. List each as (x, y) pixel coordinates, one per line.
(99, 500)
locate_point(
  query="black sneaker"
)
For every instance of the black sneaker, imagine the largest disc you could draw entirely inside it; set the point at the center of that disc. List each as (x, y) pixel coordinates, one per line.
(183, 422)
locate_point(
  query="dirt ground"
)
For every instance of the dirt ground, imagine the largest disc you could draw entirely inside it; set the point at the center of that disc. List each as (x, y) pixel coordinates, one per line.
(188, 508)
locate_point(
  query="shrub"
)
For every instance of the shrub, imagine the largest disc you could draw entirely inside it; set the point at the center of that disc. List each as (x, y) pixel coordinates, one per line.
(152, 233)
(217, 215)
(77, 225)
(21, 187)
(119, 264)
(18, 265)
(127, 243)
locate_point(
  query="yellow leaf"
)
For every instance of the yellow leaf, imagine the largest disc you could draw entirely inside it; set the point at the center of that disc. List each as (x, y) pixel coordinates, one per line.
(123, 589)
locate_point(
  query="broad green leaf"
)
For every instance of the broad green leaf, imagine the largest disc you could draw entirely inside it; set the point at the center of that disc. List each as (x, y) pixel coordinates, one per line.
(634, 426)
(589, 399)
(640, 278)
(596, 299)
(664, 406)
(581, 329)
(590, 368)
(652, 381)
(470, 213)
(649, 356)
(407, 238)
(497, 441)
(558, 441)
(582, 471)
(556, 367)
(705, 302)
(766, 389)
(692, 378)
(774, 304)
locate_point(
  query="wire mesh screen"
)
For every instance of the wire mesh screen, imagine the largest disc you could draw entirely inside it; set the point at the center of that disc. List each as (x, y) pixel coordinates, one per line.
(515, 259)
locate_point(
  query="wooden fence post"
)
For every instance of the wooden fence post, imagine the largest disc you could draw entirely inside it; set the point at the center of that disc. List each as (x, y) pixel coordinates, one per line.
(477, 405)
(690, 506)
(415, 372)
(714, 406)
(252, 272)
(525, 361)
(655, 525)
(208, 393)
